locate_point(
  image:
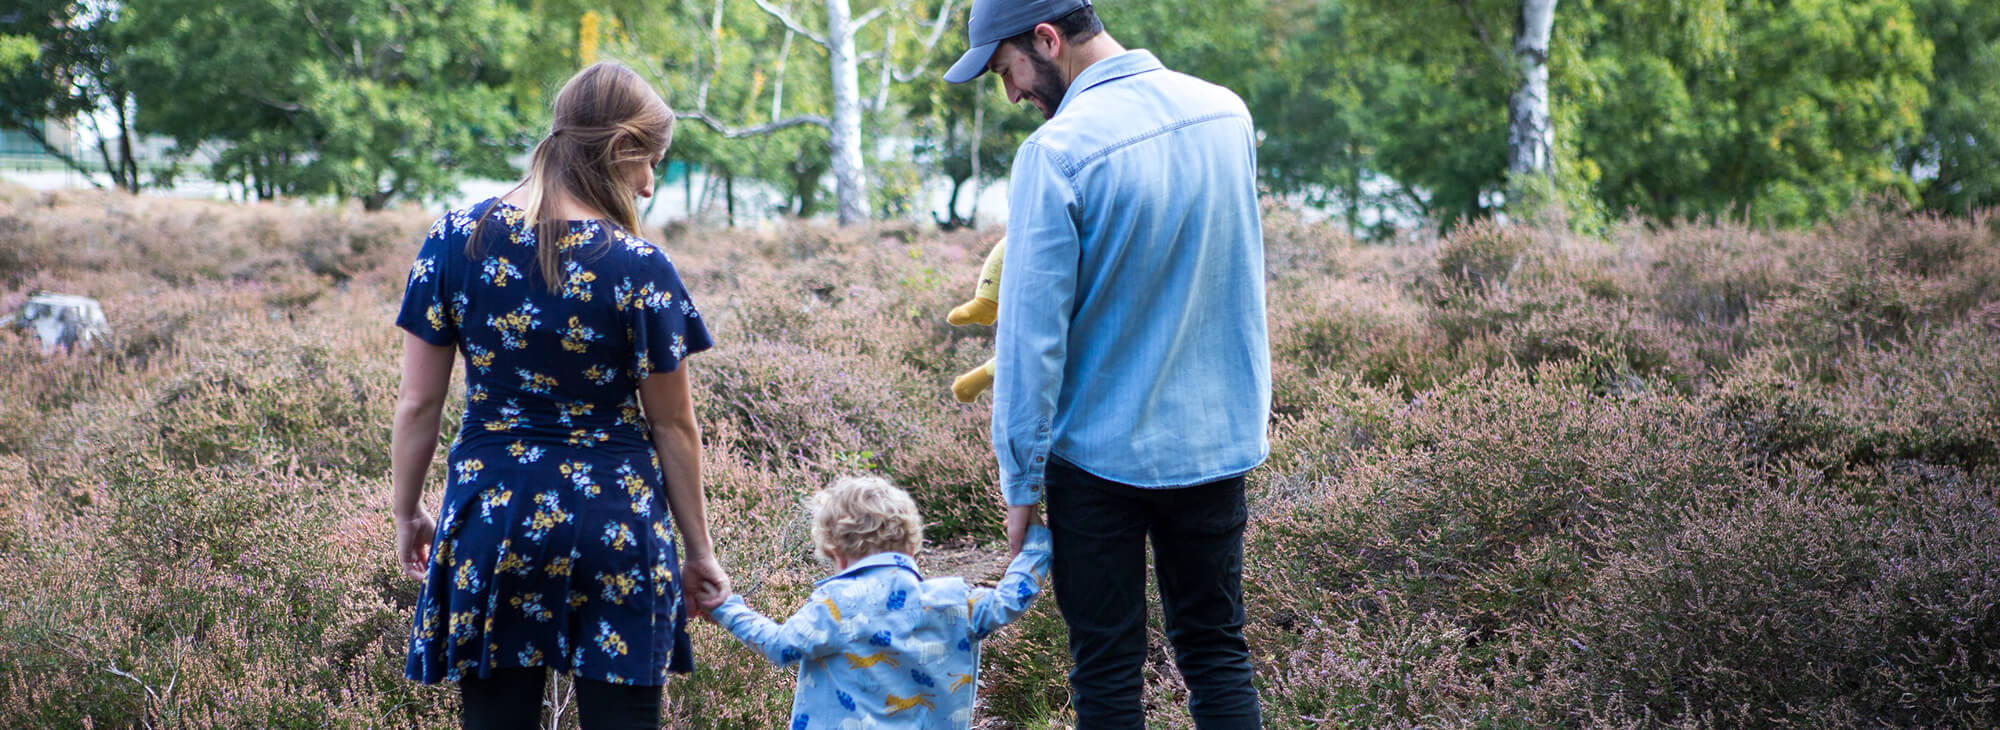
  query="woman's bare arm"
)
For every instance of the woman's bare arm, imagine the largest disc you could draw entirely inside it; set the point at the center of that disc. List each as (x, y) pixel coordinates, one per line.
(412, 444)
(668, 401)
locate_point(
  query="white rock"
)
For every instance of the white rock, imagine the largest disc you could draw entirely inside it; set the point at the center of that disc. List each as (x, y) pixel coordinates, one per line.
(62, 320)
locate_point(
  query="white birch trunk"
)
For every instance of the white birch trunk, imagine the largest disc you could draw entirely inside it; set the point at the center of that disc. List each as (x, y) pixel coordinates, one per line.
(850, 172)
(1530, 133)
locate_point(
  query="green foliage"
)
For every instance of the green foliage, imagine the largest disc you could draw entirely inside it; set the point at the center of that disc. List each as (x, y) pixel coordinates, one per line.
(376, 101)
(1781, 112)
(1957, 159)
(17, 52)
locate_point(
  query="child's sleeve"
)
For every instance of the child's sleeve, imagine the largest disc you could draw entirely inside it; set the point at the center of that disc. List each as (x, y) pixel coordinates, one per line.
(993, 608)
(809, 633)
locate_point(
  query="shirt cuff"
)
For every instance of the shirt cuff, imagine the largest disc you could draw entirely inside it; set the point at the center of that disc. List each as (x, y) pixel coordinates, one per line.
(1022, 491)
(730, 609)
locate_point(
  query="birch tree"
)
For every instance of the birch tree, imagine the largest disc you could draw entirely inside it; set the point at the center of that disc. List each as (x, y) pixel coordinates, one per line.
(1530, 134)
(841, 37)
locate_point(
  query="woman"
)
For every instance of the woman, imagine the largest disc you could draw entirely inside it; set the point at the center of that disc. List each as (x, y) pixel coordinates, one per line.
(552, 551)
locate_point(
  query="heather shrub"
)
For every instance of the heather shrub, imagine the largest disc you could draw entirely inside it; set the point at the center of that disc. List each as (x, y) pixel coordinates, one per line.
(1481, 256)
(1694, 475)
(1796, 605)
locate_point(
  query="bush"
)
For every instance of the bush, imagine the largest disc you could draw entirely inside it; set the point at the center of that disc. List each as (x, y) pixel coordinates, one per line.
(1697, 475)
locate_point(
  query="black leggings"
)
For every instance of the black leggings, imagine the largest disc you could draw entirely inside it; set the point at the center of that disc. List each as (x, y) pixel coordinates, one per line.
(512, 698)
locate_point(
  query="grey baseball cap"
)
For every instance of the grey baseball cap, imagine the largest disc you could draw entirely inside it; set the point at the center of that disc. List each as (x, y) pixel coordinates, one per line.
(994, 21)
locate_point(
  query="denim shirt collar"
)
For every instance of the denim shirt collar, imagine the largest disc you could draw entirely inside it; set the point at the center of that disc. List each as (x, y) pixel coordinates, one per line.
(893, 559)
(1135, 61)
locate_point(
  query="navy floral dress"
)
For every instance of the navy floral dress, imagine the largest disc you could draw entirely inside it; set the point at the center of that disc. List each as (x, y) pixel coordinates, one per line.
(553, 546)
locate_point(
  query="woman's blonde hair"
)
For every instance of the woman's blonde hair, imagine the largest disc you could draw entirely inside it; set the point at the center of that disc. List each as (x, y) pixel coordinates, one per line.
(861, 516)
(605, 117)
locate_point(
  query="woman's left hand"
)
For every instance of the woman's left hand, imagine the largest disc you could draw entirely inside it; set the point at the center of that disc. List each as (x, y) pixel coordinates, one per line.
(704, 584)
(413, 544)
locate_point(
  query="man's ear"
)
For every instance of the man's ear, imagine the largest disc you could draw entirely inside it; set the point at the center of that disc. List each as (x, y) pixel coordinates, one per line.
(1049, 39)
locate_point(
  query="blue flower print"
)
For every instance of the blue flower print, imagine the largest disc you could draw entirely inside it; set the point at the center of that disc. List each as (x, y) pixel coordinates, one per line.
(498, 272)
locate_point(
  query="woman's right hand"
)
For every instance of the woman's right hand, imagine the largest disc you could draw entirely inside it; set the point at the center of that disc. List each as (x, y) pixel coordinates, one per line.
(413, 544)
(704, 584)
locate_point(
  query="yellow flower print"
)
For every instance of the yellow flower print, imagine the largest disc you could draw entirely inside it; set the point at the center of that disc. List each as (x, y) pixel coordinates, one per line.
(547, 515)
(531, 606)
(498, 271)
(462, 626)
(469, 469)
(559, 567)
(524, 453)
(567, 412)
(577, 337)
(534, 382)
(576, 238)
(512, 562)
(599, 375)
(617, 536)
(530, 656)
(513, 326)
(578, 284)
(435, 316)
(662, 575)
(468, 576)
(499, 496)
(619, 586)
(480, 357)
(642, 495)
(579, 476)
(512, 216)
(577, 600)
(587, 437)
(608, 640)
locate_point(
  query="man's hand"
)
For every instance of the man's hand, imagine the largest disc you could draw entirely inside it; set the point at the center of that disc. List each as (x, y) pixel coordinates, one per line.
(1019, 517)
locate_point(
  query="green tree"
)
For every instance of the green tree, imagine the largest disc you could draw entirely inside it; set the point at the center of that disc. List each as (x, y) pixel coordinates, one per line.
(61, 60)
(1779, 111)
(1958, 155)
(369, 99)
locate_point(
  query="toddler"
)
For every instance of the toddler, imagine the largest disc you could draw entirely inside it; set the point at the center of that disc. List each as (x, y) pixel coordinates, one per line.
(879, 645)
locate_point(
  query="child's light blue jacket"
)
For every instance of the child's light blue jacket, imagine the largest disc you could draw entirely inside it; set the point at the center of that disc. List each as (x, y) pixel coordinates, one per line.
(878, 646)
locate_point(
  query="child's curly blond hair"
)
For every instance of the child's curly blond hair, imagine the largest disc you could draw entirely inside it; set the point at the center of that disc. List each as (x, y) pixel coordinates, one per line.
(861, 516)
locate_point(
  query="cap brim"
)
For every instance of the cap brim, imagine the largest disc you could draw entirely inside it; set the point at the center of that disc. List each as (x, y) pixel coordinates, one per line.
(972, 64)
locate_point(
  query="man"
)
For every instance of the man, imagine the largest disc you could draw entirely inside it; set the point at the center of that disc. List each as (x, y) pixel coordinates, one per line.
(1132, 373)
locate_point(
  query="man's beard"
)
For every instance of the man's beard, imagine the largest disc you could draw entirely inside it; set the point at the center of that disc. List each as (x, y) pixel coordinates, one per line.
(1049, 86)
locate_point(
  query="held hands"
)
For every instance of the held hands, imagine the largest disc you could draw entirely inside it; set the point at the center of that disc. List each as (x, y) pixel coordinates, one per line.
(413, 544)
(1019, 518)
(704, 584)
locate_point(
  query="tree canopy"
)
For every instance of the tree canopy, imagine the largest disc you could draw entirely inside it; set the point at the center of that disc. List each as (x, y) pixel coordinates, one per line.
(1779, 112)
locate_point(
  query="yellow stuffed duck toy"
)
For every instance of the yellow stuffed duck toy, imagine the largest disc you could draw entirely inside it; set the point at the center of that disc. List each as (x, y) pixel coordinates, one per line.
(983, 308)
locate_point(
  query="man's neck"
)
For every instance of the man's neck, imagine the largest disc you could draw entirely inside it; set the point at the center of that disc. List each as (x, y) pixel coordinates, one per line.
(1086, 54)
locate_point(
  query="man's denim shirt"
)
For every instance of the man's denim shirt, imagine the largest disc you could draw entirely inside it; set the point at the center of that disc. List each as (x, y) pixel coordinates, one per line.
(878, 645)
(1131, 339)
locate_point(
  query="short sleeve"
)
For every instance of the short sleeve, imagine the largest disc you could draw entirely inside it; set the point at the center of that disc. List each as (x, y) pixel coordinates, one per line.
(662, 322)
(425, 312)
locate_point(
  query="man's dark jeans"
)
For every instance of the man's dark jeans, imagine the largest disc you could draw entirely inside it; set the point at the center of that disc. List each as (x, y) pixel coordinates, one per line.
(1099, 573)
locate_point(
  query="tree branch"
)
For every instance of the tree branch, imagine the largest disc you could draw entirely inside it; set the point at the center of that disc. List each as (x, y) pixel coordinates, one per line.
(866, 18)
(792, 24)
(787, 123)
(938, 28)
